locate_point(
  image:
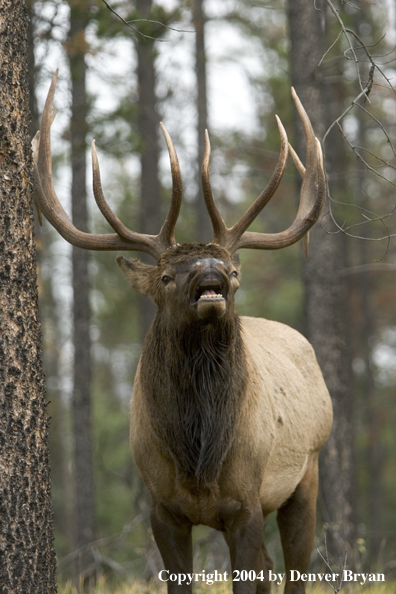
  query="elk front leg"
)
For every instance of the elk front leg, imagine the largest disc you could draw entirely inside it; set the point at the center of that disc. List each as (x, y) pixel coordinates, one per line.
(172, 533)
(244, 535)
(265, 564)
(296, 521)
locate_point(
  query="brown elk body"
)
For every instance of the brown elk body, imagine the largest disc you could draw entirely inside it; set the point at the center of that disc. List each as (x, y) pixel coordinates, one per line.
(228, 413)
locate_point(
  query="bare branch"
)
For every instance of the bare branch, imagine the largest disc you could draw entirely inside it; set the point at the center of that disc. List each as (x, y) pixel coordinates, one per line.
(360, 53)
(339, 582)
(145, 36)
(359, 156)
(103, 542)
(346, 31)
(162, 25)
(330, 48)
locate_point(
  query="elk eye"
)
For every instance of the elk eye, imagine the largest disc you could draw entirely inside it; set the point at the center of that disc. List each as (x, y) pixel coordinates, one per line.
(166, 279)
(234, 274)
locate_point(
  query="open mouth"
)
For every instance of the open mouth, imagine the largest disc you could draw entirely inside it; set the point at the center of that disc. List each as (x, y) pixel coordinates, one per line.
(204, 292)
(209, 295)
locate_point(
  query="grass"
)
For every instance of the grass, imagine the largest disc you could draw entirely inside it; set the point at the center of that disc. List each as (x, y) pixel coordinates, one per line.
(153, 587)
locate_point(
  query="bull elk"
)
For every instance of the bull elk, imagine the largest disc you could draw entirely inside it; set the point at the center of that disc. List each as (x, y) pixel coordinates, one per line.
(228, 413)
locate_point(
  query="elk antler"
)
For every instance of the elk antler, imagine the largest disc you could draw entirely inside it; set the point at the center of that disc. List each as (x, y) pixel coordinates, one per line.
(124, 238)
(312, 195)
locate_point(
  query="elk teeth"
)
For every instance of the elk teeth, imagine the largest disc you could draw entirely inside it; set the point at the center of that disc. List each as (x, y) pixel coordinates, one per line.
(219, 295)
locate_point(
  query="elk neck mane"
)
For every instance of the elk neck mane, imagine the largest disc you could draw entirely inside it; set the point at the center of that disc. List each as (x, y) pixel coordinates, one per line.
(194, 395)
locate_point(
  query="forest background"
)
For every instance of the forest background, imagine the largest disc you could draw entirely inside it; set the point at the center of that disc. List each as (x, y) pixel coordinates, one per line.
(227, 66)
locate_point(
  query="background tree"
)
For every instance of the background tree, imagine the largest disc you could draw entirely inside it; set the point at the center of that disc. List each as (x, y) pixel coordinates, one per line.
(203, 221)
(325, 285)
(27, 558)
(147, 127)
(77, 48)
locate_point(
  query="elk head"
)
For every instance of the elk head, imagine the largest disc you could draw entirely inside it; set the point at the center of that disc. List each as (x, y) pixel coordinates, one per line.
(194, 280)
(201, 278)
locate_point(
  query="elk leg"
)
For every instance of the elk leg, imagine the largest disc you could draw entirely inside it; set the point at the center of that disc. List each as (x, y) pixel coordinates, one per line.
(244, 538)
(265, 564)
(296, 521)
(172, 533)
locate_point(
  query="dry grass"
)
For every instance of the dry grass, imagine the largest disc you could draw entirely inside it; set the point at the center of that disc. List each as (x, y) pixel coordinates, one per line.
(225, 588)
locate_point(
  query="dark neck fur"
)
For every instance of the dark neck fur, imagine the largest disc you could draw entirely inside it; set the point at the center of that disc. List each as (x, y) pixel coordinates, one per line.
(196, 377)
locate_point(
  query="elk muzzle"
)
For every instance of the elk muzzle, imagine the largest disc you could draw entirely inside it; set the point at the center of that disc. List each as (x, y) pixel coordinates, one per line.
(209, 290)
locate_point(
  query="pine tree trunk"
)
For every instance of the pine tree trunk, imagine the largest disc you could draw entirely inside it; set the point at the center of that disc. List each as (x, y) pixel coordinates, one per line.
(27, 558)
(364, 332)
(150, 212)
(32, 69)
(147, 126)
(85, 501)
(204, 226)
(326, 293)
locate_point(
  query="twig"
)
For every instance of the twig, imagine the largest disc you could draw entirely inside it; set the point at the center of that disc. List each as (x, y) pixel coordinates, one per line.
(128, 24)
(103, 542)
(339, 582)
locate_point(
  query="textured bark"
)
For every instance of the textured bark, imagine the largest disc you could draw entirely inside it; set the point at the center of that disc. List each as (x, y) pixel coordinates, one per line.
(204, 226)
(150, 207)
(85, 502)
(147, 126)
(326, 291)
(27, 558)
(364, 333)
(373, 416)
(32, 70)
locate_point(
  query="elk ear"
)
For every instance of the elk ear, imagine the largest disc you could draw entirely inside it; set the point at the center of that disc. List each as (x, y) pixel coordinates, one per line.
(139, 275)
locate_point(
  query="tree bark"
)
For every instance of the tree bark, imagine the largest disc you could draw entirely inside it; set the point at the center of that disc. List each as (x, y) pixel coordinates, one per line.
(147, 126)
(32, 70)
(85, 499)
(364, 331)
(150, 208)
(204, 226)
(326, 292)
(27, 557)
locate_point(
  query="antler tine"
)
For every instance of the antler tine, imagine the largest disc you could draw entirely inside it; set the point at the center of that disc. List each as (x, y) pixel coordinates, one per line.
(314, 161)
(45, 195)
(48, 203)
(140, 241)
(219, 227)
(104, 208)
(296, 160)
(253, 211)
(301, 170)
(167, 233)
(230, 237)
(312, 195)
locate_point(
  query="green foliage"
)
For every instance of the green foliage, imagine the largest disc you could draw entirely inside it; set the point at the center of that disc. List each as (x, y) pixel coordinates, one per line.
(113, 464)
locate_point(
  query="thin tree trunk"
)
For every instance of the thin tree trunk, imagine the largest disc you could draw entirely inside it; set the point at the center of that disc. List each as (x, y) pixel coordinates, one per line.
(326, 292)
(150, 212)
(364, 332)
(27, 557)
(203, 222)
(85, 501)
(374, 458)
(147, 125)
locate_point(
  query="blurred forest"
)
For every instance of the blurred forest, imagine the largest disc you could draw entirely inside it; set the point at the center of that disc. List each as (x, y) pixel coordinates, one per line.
(225, 65)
